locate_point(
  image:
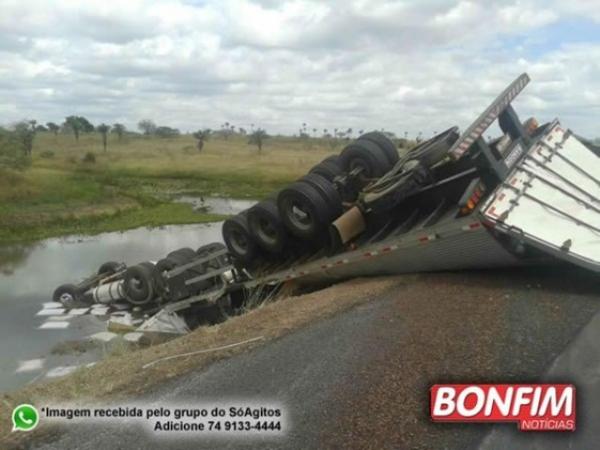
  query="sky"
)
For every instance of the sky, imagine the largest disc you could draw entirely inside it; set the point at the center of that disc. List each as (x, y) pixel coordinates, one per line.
(405, 66)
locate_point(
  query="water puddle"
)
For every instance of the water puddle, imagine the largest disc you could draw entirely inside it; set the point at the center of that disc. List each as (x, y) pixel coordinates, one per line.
(215, 205)
(30, 273)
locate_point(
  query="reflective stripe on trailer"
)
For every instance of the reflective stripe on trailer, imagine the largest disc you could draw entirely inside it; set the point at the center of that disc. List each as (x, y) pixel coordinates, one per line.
(358, 255)
(471, 226)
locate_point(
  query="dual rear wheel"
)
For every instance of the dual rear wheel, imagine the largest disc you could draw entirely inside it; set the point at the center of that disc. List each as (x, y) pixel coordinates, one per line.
(304, 210)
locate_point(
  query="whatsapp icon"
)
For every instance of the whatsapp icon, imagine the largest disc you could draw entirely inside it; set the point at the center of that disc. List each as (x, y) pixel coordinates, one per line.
(25, 418)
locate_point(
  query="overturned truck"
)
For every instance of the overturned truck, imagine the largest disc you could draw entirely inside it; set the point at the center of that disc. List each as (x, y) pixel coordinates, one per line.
(456, 201)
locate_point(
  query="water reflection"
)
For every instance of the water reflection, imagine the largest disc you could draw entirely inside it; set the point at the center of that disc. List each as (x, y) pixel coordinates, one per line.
(31, 273)
(216, 205)
(12, 256)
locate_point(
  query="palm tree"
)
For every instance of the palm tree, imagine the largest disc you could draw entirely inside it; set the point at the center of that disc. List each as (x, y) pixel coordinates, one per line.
(257, 138)
(201, 136)
(103, 130)
(226, 130)
(119, 129)
(53, 127)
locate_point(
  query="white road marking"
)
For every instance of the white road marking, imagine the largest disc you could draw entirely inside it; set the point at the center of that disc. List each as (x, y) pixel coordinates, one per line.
(50, 312)
(54, 325)
(30, 365)
(104, 336)
(61, 371)
(52, 305)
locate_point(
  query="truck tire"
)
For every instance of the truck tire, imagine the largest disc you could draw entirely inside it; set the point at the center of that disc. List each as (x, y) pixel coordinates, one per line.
(304, 211)
(327, 191)
(139, 285)
(159, 281)
(110, 268)
(165, 264)
(184, 255)
(266, 226)
(213, 247)
(366, 155)
(329, 168)
(436, 148)
(238, 239)
(67, 294)
(384, 143)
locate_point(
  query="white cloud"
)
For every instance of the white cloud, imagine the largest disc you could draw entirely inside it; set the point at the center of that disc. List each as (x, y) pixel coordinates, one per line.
(401, 65)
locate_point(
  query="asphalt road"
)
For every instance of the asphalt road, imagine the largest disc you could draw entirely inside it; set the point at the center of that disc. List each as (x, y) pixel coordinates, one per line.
(361, 378)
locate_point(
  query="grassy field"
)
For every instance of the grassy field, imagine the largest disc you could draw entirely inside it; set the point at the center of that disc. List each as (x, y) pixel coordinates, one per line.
(132, 183)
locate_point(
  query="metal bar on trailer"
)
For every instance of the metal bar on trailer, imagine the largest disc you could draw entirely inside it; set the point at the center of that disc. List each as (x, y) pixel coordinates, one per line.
(549, 206)
(558, 188)
(576, 167)
(208, 297)
(180, 269)
(208, 275)
(556, 174)
(555, 151)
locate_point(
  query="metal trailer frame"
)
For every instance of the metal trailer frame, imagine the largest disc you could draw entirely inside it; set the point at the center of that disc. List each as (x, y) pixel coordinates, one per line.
(445, 238)
(450, 242)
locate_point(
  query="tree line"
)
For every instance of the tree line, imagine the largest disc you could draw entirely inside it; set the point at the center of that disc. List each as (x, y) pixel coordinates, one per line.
(16, 141)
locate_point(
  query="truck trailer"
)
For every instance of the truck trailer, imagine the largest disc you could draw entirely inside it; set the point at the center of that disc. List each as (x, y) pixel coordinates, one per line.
(457, 201)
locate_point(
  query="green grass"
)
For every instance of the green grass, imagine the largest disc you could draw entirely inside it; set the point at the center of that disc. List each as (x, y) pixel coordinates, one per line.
(161, 214)
(131, 184)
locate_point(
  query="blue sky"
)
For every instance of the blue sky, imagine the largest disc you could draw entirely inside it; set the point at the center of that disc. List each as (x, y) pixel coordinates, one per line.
(399, 65)
(547, 39)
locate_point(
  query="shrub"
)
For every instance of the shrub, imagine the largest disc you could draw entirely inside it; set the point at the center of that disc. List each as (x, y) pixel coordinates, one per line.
(89, 157)
(47, 154)
(12, 153)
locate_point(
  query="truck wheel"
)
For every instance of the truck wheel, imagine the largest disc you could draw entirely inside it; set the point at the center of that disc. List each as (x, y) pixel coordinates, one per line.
(67, 294)
(436, 148)
(303, 210)
(238, 240)
(165, 264)
(110, 268)
(384, 143)
(329, 168)
(184, 255)
(266, 227)
(366, 155)
(327, 191)
(159, 281)
(139, 285)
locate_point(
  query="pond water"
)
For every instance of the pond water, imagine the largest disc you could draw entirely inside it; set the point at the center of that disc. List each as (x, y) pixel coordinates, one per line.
(30, 273)
(215, 205)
